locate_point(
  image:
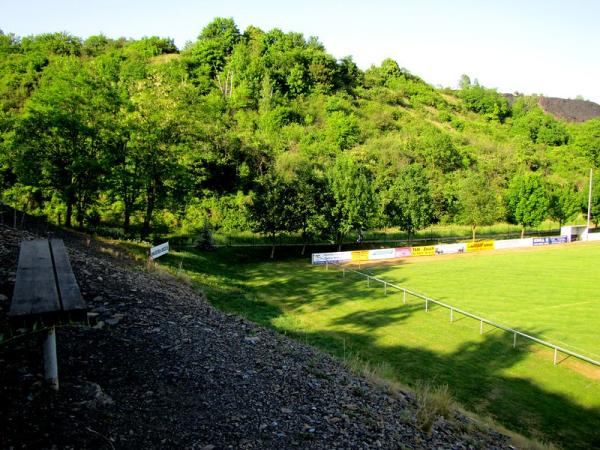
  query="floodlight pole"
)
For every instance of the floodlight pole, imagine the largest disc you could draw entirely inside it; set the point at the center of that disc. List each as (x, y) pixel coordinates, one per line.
(589, 206)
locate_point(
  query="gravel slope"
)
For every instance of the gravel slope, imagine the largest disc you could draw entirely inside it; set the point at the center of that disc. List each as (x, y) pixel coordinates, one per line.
(162, 368)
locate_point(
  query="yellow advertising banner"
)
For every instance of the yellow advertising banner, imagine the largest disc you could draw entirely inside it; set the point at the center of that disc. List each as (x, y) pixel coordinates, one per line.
(428, 250)
(479, 246)
(360, 255)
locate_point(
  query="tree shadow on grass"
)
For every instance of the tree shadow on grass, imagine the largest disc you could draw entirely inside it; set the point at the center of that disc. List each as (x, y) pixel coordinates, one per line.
(475, 374)
(373, 319)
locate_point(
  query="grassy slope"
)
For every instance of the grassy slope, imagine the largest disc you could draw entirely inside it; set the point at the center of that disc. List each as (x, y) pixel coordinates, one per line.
(519, 388)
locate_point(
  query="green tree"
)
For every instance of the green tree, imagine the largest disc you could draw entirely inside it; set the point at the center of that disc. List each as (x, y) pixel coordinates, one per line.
(564, 204)
(273, 209)
(527, 201)
(162, 122)
(58, 140)
(595, 210)
(407, 200)
(539, 127)
(353, 204)
(478, 202)
(485, 101)
(587, 139)
(311, 201)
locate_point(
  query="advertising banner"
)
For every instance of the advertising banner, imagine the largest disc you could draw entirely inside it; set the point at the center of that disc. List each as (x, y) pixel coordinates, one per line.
(381, 253)
(360, 255)
(402, 252)
(557, 240)
(513, 243)
(550, 240)
(448, 249)
(480, 246)
(333, 257)
(428, 250)
(159, 250)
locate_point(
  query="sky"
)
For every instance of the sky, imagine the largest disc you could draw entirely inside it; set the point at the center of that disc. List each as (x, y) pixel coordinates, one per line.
(546, 47)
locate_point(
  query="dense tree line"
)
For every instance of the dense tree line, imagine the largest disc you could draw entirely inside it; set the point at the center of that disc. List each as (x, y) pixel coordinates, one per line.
(266, 131)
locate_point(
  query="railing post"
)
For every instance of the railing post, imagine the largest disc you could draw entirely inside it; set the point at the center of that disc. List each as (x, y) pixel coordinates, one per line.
(481, 327)
(426, 304)
(451, 315)
(404, 297)
(326, 266)
(515, 341)
(555, 355)
(385, 287)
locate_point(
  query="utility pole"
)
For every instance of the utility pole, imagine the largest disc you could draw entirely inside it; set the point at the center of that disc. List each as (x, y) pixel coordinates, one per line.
(589, 207)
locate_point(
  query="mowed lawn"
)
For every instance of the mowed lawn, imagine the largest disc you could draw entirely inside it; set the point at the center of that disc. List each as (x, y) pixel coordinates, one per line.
(520, 388)
(552, 292)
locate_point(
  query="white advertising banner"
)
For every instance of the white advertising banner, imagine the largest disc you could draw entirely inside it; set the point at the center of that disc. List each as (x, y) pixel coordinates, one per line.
(159, 250)
(322, 258)
(513, 243)
(448, 249)
(382, 253)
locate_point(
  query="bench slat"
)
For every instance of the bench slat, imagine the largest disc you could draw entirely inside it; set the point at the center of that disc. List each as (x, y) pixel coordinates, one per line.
(35, 288)
(67, 284)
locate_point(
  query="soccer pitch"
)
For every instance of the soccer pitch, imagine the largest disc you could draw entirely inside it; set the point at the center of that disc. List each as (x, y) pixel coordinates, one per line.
(551, 292)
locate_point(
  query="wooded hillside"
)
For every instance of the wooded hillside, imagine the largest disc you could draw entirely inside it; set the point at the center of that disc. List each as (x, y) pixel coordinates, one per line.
(266, 131)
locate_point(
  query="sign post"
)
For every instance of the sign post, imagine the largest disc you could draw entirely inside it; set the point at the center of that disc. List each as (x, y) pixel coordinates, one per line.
(159, 250)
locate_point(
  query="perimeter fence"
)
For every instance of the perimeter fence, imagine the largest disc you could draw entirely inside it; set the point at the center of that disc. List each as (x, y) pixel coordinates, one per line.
(454, 310)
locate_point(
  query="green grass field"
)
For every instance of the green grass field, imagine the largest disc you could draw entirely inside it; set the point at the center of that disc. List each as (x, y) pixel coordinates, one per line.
(547, 291)
(552, 292)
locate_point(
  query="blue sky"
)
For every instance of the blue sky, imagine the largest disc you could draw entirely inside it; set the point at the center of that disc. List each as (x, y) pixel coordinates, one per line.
(547, 47)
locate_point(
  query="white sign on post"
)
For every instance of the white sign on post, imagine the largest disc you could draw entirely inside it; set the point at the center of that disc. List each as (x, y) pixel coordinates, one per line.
(159, 250)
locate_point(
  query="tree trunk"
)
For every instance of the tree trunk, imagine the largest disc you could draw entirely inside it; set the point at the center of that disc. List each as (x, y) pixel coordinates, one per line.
(522, 232)
(126, 218)
(69, 213)
(80, 215)
(303, 249)
(473, 231)
(148, 215)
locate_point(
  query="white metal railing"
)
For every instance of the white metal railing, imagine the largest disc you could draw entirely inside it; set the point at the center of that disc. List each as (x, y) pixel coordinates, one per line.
(453, 309)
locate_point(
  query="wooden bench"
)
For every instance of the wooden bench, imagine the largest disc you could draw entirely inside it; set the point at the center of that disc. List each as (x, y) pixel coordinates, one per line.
(46, 294)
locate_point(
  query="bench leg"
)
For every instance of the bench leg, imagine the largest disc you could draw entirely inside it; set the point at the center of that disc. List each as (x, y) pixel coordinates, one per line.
(50, 363)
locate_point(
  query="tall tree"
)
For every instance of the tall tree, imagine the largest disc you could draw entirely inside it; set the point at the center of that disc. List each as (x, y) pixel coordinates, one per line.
(161, 124)
(564, 204)
(353, 201)
(273, 210)
(587, 138)
(58, 140)
(527, 201)
(408, 202)
(478, 203)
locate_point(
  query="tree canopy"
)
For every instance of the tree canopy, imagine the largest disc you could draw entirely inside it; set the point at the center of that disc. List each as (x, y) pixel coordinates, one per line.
(267, 131)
